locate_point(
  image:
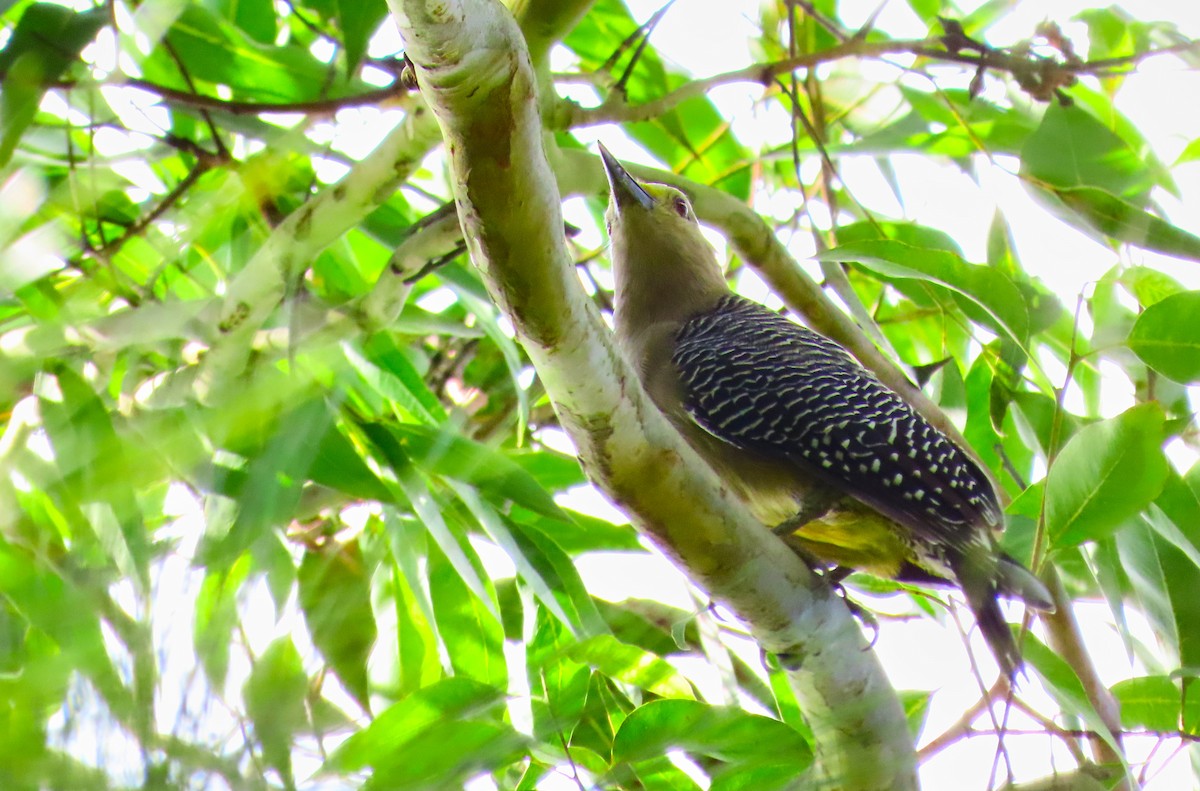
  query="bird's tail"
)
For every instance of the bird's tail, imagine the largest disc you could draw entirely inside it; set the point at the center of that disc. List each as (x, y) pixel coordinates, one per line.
(1017, 582)
(983, 576)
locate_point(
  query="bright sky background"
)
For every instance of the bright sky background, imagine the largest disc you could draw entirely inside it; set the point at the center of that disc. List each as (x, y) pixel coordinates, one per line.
(704, 38)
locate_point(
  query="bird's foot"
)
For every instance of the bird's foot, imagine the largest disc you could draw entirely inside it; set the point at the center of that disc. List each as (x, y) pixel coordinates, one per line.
(815, 506)
(835, 575)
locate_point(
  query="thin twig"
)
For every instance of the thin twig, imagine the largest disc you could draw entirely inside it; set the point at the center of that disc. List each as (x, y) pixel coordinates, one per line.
(763, 73)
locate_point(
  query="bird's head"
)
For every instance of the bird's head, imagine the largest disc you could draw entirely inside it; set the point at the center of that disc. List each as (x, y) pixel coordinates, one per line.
(662, 264)
(635, 205)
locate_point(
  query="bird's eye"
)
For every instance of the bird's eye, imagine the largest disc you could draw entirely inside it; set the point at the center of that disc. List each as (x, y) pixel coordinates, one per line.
(682, 208)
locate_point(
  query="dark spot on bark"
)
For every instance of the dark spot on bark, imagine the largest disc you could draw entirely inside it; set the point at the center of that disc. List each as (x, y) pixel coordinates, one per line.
(286, 262)
(339, 192)
(235, 318)
(304, 222)
(598, 430)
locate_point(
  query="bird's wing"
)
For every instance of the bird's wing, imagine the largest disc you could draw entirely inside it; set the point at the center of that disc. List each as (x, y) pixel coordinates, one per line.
(761, 382)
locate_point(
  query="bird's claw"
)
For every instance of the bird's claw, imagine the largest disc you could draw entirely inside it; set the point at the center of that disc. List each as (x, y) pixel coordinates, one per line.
(835, 575)
(814, 507)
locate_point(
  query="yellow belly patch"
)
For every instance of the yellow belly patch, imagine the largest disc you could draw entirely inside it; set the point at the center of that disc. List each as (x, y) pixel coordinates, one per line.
(856, 536)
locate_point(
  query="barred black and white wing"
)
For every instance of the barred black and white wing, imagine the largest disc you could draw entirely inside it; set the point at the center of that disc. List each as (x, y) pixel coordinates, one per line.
(761, 382)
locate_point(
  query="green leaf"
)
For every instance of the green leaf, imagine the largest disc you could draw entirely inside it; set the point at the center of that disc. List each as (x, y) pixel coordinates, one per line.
(417, 650)
(1163, 564)
(274, 480)
(393, 387)
(448, 753)
(1190, 153)
(916, 709)
(94, 471)
(1072, 149)
(256, 17)
(1151, 702)
(1106, 474)
(1149, 286)
(335, 597)
(217, 617)
(727, 734)
(468, 625)
(1176, 546)
(381, 743)
(215, 52)
(274, 695)
(909, 233)
(67, 614)
(30, 65)
(444, 452)
(1064, 686)
(991, 297)
(693, 137)
(339, 464)
(1094, 211)
(1167, 337)
(552, 470)
(561, 689)
(541, 565)
(358, 19)
(632, 665)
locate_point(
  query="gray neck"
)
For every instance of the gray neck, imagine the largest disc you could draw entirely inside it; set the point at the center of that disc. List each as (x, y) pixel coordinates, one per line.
(668, 282)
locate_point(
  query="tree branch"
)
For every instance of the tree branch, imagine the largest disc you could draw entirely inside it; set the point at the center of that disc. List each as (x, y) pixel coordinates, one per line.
(614, 109)
(472, 67)
(262, 284)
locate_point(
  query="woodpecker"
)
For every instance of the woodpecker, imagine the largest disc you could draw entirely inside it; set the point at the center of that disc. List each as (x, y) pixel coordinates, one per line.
(816, 445)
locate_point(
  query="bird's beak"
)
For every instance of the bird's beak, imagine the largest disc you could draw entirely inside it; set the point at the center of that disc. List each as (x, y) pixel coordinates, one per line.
(624, 188)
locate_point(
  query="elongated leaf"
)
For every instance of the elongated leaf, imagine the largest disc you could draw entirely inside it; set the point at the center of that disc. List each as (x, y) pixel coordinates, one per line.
(274, 695)
(358, 20)
(560, 686)
(217, 617)
(548, 580)
(469, 625)
(632, 665)
(398, 361)
(215, 52)
(1149, 286)
(393, 387)
(1177, 548)
(1093, 210)
(1167, 336)
(256, 17)
(449, 752)
(995, 299)
(1064, 686)
(94, 467)
(1105, 475)
(446, 453)
(274, 481)
(465, 286)
(381, 743)
(692, 137)
(30, 65)
(417, 654)
(335, 596)
(715, 731)
(66, 614)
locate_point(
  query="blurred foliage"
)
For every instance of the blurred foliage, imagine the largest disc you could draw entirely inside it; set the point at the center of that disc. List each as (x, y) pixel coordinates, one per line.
(362, 567)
